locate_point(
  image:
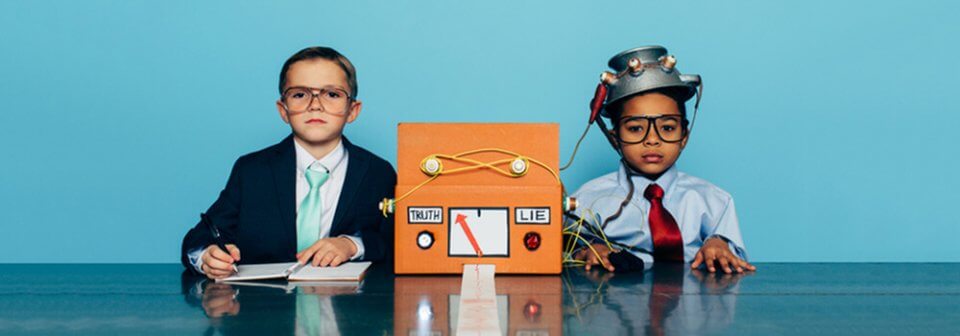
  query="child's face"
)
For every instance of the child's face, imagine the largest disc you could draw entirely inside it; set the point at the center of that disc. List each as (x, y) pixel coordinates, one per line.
(321, 121)
(651, 155)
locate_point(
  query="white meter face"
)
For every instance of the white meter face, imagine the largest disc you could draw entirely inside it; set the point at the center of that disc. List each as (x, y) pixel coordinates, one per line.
(479, 232)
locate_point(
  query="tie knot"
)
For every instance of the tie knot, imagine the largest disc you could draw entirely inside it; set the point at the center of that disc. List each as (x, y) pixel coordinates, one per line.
(316, 178)
(653, 192)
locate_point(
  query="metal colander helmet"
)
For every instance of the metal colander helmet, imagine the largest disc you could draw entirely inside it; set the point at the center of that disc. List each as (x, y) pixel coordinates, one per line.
(645, 69)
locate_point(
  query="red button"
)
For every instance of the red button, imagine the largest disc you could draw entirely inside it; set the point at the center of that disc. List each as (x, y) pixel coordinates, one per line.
(531, 240)
(531, 311)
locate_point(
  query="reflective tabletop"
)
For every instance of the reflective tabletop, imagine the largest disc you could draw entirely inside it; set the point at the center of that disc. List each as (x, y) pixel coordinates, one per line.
(781, 299)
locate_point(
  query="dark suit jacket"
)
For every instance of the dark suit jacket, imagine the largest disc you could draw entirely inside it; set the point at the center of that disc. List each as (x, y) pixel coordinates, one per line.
(257, 210)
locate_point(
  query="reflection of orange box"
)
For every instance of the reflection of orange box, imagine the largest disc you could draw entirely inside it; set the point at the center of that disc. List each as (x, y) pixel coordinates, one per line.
(478, 216)
(528, 305)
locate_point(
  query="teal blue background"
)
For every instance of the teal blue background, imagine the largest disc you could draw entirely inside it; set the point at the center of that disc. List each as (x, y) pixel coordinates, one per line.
(832, 123)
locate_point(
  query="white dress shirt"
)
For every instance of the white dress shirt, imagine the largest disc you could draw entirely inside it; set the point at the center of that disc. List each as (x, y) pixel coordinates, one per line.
(336, 163)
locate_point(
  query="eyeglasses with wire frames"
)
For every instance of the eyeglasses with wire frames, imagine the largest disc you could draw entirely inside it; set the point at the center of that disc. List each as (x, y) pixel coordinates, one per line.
(333, 100)
(670, 128)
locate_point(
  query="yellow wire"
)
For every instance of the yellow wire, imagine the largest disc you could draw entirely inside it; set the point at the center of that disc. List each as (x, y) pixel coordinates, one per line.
(569, 247)
(415, 188)
(603, 235)
(476, 165)
(574, 231)
(459, 157)
(594, 251)
(577, 306)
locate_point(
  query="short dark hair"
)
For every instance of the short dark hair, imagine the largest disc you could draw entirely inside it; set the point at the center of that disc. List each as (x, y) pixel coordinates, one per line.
(322, 53)
(615, 109)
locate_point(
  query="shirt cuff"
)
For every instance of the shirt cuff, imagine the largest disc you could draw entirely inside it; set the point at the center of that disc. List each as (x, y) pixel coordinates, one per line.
(196, 259)
(359, 243)
(733, 247)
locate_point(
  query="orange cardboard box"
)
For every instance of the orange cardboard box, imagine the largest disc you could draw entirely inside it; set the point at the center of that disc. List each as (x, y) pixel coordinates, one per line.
(478, 207)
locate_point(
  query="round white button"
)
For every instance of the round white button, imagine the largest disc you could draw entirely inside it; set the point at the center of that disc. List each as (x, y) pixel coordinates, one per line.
(425, 240)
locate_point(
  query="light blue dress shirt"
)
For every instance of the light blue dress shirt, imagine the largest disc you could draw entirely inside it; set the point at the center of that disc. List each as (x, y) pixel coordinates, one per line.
(701, 209)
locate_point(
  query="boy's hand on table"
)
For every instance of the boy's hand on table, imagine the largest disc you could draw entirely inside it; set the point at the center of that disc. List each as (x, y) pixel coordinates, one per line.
(328, 252)
(216, 263)
(591, 259)
(715, 252)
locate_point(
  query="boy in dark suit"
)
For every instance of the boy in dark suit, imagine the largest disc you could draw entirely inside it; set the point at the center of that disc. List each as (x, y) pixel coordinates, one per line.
(312, 197)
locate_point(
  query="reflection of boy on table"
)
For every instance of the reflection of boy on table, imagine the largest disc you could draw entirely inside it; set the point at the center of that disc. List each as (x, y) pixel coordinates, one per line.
(669, 300)
(328, 309)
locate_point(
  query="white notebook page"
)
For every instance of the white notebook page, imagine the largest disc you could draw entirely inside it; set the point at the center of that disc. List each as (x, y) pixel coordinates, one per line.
(260, 272)
(351, 271)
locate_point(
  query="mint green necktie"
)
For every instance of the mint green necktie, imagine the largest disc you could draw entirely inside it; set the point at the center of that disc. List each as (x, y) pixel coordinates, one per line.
(308, 218)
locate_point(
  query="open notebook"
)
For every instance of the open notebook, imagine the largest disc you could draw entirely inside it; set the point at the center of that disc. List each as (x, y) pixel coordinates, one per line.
(351, 271)
(309, 287)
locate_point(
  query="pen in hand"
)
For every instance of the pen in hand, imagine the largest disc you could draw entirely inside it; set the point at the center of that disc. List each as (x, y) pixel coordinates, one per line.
(216, 236)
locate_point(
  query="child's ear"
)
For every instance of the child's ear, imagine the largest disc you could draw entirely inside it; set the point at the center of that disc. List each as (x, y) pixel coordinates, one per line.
(355, 108)
(283, 112)
(683, 143)
(612, 136)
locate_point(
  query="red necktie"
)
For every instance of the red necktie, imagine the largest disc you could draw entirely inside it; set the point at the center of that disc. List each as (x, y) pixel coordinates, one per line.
(667, 242)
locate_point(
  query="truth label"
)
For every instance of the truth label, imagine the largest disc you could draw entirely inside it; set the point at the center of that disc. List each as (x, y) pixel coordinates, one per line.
(424, 215)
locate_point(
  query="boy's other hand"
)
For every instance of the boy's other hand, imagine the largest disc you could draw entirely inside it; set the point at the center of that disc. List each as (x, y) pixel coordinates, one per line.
(217, 264)
(328, 252)
(715, 252)
(591, 259)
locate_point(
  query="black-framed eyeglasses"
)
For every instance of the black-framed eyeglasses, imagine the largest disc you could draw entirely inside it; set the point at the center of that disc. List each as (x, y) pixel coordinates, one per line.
(669, 128)
(333, 100)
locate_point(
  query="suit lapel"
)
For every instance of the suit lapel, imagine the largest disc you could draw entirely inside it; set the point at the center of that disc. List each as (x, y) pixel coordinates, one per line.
(284, 176)
(357, 166)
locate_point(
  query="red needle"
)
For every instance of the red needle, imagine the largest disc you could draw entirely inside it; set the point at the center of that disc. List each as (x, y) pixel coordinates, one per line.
(462, 220)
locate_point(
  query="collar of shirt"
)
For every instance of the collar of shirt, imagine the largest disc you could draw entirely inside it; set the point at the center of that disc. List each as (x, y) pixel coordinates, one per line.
(640, 182)
(331, 161)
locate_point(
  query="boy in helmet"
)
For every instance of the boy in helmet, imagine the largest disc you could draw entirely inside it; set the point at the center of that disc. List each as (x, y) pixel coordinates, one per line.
(649, 211)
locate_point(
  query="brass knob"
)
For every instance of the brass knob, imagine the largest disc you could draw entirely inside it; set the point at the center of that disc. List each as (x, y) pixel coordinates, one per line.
(518, 167)
(668, 62)
(387, 203)
(608, 78)
(431, 166)
(635, 65)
